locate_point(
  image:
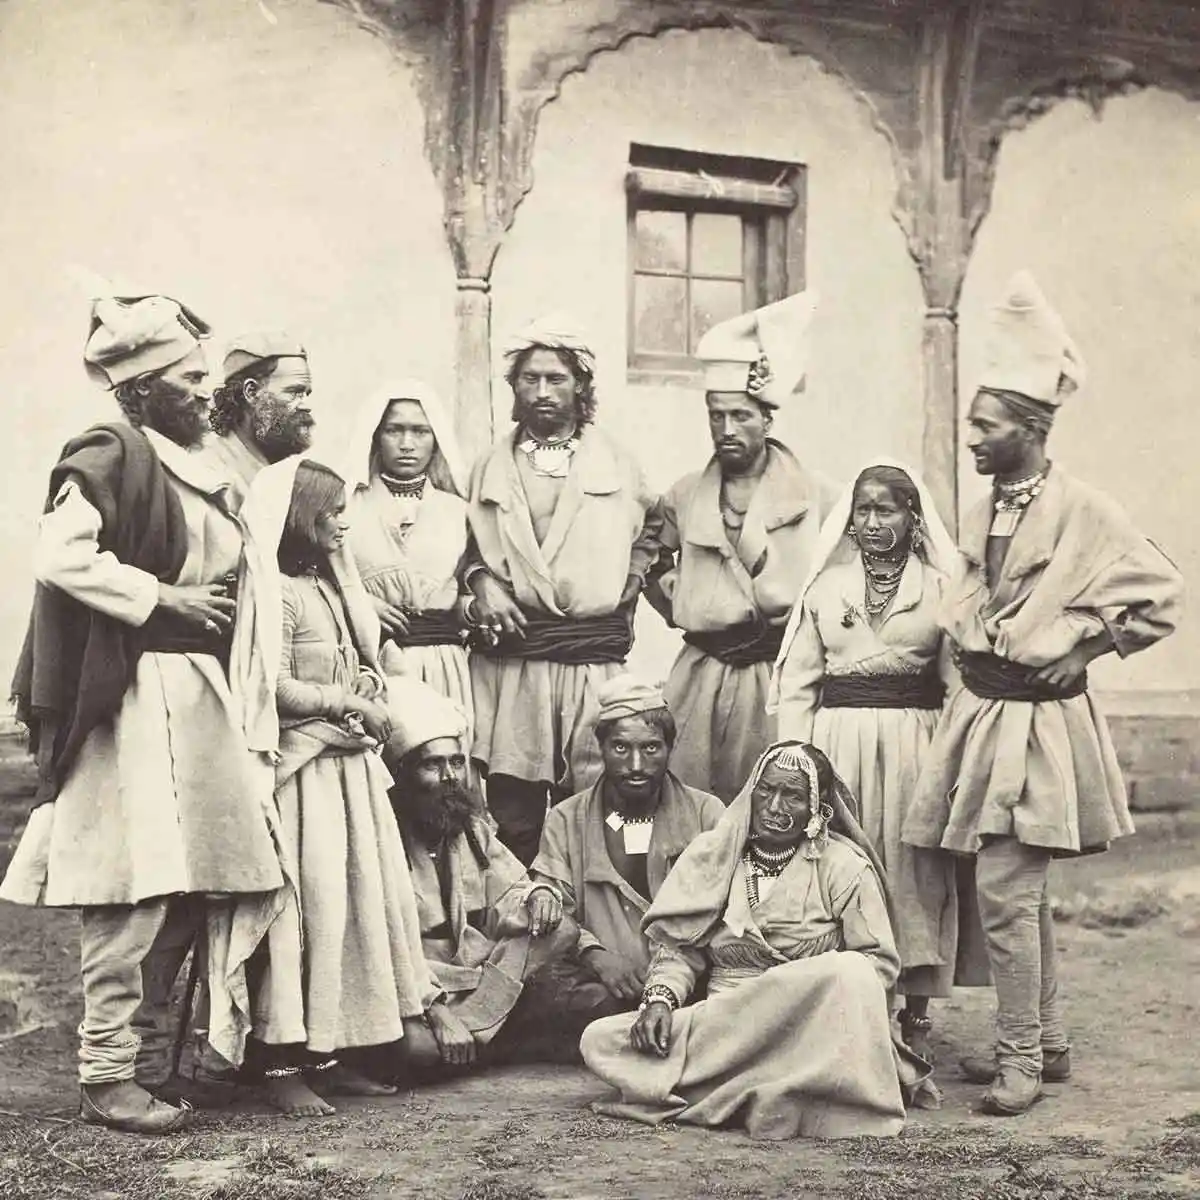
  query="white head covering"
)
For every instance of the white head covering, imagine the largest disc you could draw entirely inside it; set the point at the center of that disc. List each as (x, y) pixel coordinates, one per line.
(421, 714)
(1028, 349)
(258, 639)
(627, 696)
(555, 331)
(762, 353)
(131, 335)
(359, 463)
(248, 348)
(835, 546)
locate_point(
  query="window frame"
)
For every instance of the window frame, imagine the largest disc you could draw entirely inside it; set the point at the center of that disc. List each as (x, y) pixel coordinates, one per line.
(773, 244)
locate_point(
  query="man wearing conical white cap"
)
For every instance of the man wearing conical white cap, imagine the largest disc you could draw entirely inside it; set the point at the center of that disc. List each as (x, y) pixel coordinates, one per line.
(564, 533)
(149, 801)
(1022, 768)
(261, 413)
(486, 927)
(737, 539)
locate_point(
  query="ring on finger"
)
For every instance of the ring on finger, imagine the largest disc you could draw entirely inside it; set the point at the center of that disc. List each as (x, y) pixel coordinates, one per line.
(210, 625)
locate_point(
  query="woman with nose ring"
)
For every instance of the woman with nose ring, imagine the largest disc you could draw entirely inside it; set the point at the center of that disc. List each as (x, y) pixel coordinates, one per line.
(408, 534)
(783, 905)
(862, 673)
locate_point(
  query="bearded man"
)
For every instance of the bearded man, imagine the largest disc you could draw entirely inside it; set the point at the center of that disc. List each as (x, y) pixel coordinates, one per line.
(737, 538)
(609, 848)
(149, 803)
(261, 413)
(486, 927)
(1022, 767)
(564, 531)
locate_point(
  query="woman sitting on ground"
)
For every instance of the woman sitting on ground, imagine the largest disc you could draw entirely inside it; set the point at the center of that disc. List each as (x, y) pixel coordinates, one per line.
(783, 907)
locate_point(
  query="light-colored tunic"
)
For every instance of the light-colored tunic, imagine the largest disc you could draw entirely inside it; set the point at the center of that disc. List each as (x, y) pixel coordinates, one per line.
(166, 798)
(712, 585)
(793, 1039)
(574, 857)
(534, 718)
(1045, 772)
(344, 962)
(479, 950)
(879, 751)
(408, 553)
(234, 462)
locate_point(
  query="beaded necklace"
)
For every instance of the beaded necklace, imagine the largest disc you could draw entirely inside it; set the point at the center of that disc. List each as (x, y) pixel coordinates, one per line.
(1010, 500)
(883, 578)
(408, 489)
(760, 863)
(549, 458)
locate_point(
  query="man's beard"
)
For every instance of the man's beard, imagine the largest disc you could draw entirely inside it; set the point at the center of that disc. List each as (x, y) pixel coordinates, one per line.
(277, 431)
(441, 813)
(167, 412)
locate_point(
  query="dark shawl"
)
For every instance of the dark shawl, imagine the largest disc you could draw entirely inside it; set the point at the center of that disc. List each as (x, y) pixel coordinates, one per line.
(77, 664)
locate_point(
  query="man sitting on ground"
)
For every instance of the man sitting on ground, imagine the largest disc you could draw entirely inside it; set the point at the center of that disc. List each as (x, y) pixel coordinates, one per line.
(486, 927)
(608, 849)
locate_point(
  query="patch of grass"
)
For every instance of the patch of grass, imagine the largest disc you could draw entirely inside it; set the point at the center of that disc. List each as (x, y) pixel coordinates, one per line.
(1127, 908)
(494, 1187)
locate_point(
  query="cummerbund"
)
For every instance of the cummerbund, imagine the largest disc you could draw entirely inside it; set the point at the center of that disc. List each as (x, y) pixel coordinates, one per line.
(165, 633)
(434, 627)
(992, 678)
(921, 690)
(573, 641)
(739, 645)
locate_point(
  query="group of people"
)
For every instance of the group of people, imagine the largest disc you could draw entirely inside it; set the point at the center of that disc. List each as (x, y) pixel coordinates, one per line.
(362, 742)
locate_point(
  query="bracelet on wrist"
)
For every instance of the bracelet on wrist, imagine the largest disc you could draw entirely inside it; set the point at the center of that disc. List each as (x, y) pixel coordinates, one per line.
(658, 994)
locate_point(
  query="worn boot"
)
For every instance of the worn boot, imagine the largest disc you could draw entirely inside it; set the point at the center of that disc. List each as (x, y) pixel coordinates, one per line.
(1056, 1067)
(131, 1109)
(1011, 1093)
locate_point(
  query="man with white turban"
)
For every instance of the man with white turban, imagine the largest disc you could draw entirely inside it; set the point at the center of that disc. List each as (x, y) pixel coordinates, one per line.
(737, 539)
(564, 531)
(149, 800)
(1022, 767)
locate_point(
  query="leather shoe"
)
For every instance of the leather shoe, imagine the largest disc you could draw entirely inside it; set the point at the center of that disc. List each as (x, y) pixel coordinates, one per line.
(1056, 1067)
(1011, 1093)
(130, 1109)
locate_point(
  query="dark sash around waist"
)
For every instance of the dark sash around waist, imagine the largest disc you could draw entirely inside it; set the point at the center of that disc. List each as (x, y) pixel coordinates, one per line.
(571, 640)
(739, 645)
(992, 678)
(167, 634)
(923, 690)
(435, 627)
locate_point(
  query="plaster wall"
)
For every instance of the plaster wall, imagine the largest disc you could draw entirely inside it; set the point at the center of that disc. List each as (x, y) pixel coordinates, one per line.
(263, 162)
(1105, 212)
(723, 92)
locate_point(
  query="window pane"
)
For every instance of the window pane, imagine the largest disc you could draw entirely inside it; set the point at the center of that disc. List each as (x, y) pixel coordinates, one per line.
(716, 244)
(661, 240)
(659, 314)
(713, 300)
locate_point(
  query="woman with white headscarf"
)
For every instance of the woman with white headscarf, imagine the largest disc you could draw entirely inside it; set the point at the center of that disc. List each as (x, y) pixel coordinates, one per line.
(862, 673)
(408, 533)
(783, 908)
(334, 960)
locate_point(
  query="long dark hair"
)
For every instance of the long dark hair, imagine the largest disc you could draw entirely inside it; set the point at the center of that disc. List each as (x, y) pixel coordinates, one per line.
(316, 492)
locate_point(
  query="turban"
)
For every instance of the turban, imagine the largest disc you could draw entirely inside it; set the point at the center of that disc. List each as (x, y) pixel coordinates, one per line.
(131, 335)
(627, 696)
(1029, 352)
(250, 348)
(420, 714)
(552, 333)
(762, 353)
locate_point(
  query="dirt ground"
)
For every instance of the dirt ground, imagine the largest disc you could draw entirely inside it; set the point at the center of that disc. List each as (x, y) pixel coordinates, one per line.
(1128, 1124)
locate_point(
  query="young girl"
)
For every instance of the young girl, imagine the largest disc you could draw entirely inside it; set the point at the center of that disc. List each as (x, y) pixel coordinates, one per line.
(343, 966)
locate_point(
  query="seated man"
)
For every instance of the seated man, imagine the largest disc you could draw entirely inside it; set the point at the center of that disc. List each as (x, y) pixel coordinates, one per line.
(485, 926)
(609, 848)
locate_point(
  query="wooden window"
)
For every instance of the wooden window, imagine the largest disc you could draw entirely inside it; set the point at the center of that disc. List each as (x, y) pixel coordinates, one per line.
(709, 238)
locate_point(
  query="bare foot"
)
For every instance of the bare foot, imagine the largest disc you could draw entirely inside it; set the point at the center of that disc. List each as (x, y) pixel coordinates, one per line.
(294, 1098)
(339, 1080)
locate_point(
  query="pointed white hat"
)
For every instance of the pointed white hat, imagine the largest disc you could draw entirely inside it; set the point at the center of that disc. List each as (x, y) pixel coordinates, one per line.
(420, 714)
(1028, 349)
(763, 353)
